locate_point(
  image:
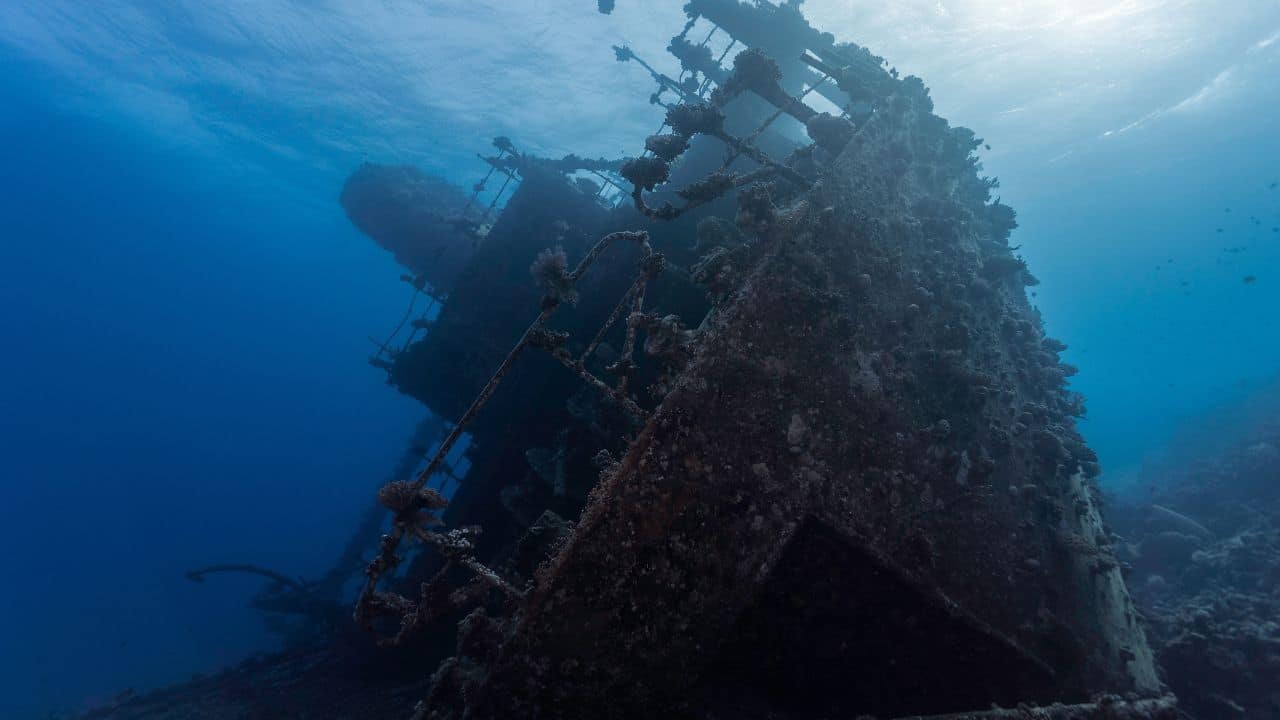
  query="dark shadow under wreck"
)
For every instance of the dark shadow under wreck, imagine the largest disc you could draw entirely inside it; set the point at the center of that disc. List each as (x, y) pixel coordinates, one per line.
(774, 433)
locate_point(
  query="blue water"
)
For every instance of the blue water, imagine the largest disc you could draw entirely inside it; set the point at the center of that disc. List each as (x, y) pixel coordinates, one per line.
(185, 309)
(184, 383)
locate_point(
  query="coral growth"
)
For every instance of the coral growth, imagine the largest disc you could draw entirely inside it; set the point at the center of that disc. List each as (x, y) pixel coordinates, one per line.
(411, 504)
(667, 147)
(1204, 559)
(690, 119)
(551, 271)
(646, 172)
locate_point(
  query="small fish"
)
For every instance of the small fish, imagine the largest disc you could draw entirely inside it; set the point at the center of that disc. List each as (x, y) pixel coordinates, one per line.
(1250, 279)
(1274, 185)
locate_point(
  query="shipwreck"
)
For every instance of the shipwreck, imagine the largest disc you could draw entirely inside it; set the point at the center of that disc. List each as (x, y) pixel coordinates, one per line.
(758, 423)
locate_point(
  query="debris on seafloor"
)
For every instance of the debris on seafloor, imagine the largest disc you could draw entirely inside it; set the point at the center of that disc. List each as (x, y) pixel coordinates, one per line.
(1208, 581)
(760, 410)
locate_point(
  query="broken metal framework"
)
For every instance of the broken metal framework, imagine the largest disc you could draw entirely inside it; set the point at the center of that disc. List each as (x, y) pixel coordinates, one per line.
(813, 64)
(698, 113)
(412, 503)
(698, 72)
(753, 71)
